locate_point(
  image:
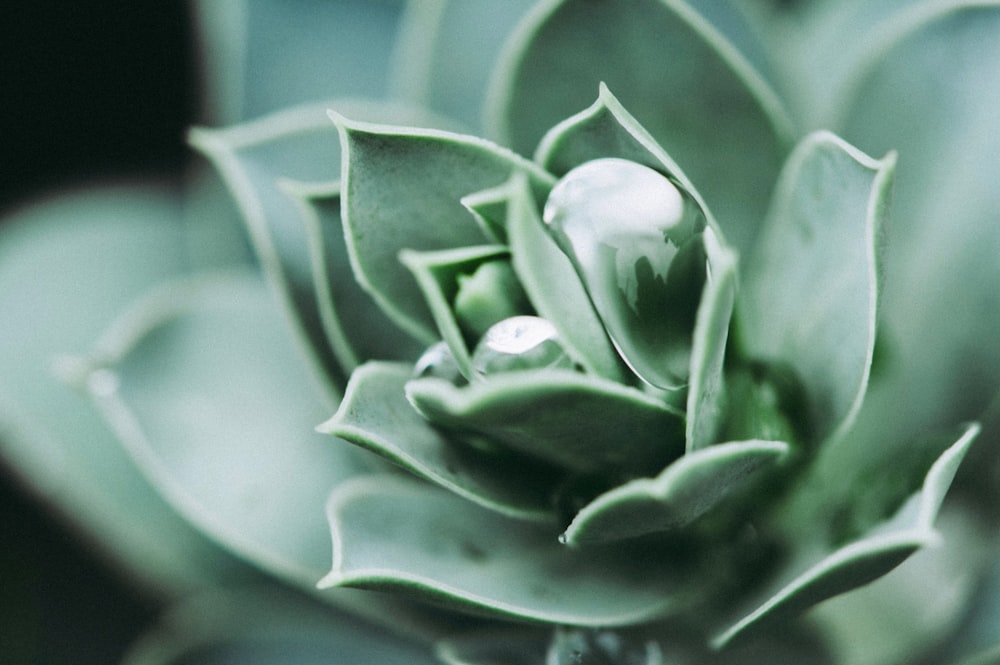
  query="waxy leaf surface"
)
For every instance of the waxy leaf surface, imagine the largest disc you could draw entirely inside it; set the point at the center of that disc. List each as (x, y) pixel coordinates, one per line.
(395, 534)
(376, 415)
(565, 417)
(679, 77)
(687, 489)
(402, 190)
(811, 289)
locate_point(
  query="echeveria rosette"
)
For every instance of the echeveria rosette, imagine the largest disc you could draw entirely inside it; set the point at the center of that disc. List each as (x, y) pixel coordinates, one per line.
(600, 492)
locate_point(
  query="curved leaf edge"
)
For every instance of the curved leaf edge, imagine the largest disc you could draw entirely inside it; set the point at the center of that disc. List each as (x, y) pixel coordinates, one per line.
(885, 544)
(501, 87)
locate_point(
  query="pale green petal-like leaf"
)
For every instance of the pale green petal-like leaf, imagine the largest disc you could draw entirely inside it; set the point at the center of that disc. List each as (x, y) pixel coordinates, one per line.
(446, 52)
(394, 534)
(68, 264)
(706, 389)
(929, 90)
(437, 275)
(687, 489)
(376, 415)
(260, 56)
(569, 418)
(356, 329)
(555, 290)
(681, 79)
(812, 576)
(922, 604)
(267, 626)
(206, 390)
(254, 159)
(811, 289)
(607, 129)
(489, 207)
(402, 190)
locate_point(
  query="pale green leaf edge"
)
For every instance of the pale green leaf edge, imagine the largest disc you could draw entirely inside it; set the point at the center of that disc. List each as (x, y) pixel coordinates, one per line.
(375, 578)
(501, 87)
(881, 541)
(876, 212)
(220, 146)
(300, 193)
(890, 34)
(663, 487)
(339, 426)
(418, 329)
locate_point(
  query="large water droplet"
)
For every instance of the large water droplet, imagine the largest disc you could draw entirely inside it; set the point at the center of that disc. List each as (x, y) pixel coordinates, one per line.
(520, 342)
(635, 239)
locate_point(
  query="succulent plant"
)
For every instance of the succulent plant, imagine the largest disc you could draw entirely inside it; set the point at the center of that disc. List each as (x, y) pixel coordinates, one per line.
(620, 381)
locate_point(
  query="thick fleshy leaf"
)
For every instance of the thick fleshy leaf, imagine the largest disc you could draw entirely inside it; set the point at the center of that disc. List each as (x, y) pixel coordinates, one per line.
(555, 289)
(204, 386)
(267, 626)
(817, 573)
(402, 190)
(680, 78)
(706, 389)
(446, 52)
(568, 418)
(260, 56)
(376, 415)
(489, 207)
(606, 129)
(687, 489)
(437, 274)
(68, 264)
(925, 602)
(811, 289)
(394, 534)
(929, 91)
(253, 159)
(356, 329)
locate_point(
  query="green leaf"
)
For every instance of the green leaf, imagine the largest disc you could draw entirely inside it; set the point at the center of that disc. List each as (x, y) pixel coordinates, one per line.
(689, 488)
(928, 88)
(253, 159)
(607, 129)
(815, 574)
(396, 535)
(208, 394)
(681, 79)
(556, 291)
(376, 415)
(67, 265)
(811, 290)
(356, 329)
(447, 49)
(568, 418)
(260, 56)
(706, 389)
(437, 274)
(402, 190)
(267, 626)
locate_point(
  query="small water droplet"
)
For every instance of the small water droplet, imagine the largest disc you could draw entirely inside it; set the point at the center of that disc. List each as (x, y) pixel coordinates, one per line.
(438, 362)
(635, 239)
(520, 342)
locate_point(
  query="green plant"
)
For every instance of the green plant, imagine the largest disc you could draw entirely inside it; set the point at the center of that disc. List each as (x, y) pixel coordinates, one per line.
(710, 474)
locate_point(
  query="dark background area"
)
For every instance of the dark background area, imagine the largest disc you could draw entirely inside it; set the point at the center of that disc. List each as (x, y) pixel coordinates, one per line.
(88, 90)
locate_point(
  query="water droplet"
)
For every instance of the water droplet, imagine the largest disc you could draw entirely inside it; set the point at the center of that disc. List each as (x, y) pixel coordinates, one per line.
(438, 362)
(520, 342)
(635, 239)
